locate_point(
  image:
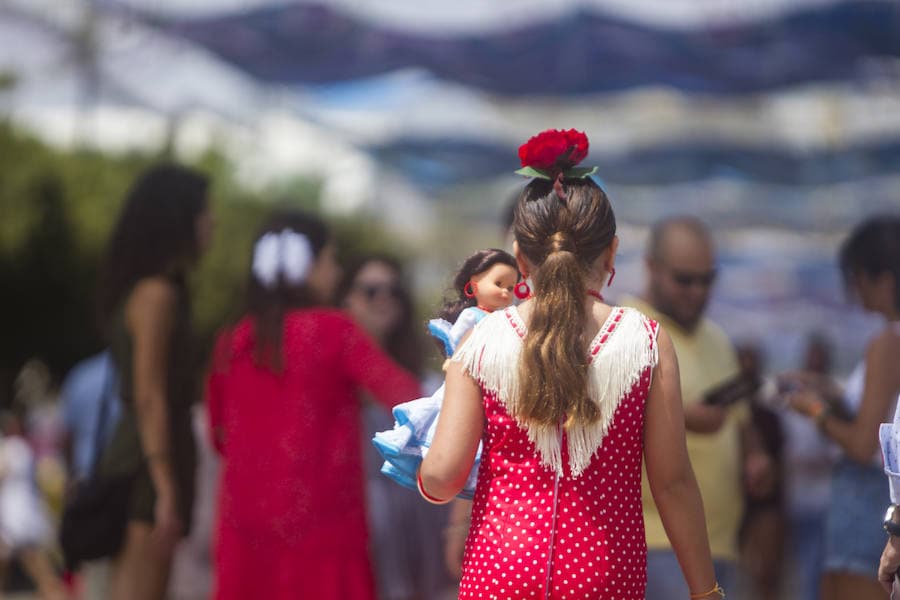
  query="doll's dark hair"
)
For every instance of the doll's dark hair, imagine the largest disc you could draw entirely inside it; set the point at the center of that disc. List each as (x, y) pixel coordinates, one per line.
(476, 264)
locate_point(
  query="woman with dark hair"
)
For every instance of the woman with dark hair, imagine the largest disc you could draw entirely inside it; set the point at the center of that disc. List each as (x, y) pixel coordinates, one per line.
(162, 231)
(408, 564)
(870, 262)
(285, 417)
(566, 394)
(374, 292)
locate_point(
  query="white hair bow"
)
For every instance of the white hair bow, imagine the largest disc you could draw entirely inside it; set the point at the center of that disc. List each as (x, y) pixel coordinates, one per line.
(287, 254)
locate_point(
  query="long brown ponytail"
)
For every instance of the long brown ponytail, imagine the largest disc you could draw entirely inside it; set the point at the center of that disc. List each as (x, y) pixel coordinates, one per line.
(561, 237)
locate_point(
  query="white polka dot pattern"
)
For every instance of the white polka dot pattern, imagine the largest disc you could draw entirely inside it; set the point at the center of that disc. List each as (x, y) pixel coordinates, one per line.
(534, 536)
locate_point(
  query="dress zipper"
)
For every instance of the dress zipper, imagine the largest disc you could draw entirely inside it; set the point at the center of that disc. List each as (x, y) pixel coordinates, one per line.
(547, 588)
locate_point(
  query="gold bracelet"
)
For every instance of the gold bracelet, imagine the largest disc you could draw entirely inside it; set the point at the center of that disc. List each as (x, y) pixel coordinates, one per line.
(717, 589)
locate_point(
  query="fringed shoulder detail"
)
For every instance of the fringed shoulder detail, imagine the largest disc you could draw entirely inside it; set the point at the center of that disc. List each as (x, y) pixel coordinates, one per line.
(622, 352)
(619, 355)
(491, 354)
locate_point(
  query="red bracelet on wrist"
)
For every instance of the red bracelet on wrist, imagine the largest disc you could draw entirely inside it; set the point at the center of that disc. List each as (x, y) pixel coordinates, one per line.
(425, 494)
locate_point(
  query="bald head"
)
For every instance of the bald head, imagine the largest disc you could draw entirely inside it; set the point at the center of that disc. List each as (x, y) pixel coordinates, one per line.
(677, 233)
(681, 266)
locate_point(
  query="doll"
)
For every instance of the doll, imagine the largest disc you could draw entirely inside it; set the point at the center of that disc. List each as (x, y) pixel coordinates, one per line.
(483, 284)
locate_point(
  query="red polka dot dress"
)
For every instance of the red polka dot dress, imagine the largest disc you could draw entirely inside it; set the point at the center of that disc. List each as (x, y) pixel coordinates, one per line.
(557, 514)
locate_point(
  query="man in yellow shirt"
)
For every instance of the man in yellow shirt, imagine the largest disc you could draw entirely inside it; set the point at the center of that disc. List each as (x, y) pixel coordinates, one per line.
(681, 271)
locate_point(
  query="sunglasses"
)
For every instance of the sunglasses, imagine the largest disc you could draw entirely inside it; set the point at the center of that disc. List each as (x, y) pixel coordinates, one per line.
(685, 279)
(372, 290)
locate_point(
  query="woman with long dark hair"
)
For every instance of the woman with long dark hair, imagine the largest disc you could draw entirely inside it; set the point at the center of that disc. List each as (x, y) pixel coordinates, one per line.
(284, 411)
(163, 230)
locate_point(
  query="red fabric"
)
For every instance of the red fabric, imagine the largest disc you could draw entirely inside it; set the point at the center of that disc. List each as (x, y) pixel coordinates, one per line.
(291, 515)
(591, 546)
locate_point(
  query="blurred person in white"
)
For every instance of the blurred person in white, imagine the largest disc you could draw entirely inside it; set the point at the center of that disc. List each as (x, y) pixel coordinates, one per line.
(870, 261)
(37, 398)
(25, 529)
(808, 461)
(724, 448)
(405, 532)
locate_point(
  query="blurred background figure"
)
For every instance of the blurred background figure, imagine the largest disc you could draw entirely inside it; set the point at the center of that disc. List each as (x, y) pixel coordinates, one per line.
(284, 413)
(725, 450)
(761, 537)
(163, 229)
(37, 402)
(808, 460)
(405, 532)
(870, 261)
(26, 531)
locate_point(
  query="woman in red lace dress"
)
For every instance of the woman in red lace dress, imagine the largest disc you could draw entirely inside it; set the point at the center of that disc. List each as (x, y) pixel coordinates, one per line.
(285, 415)
(567, 394)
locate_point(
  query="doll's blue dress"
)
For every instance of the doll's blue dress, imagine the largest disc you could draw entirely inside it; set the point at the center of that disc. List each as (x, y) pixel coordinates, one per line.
(415, 422)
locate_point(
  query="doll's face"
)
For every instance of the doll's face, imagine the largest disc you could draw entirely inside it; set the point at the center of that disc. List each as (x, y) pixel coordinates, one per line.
(494, 287)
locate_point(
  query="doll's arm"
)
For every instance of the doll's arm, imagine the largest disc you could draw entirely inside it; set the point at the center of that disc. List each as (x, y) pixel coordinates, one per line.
(464, 323)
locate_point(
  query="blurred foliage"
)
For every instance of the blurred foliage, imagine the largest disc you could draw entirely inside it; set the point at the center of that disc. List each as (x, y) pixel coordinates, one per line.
(57, 208)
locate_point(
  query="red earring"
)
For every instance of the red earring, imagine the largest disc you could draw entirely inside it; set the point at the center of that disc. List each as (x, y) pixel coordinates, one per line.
(470, 289)
(522, 290)
(612, 275)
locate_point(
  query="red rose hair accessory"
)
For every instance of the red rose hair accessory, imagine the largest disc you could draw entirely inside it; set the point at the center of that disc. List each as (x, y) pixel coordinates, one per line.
(553, 154)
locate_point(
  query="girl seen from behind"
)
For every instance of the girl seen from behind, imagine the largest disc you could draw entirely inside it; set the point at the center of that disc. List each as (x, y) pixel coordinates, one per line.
(567, 394)
(284, 411)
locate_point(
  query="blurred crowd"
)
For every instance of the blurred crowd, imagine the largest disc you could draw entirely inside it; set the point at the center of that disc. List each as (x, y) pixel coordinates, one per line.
(767, 463)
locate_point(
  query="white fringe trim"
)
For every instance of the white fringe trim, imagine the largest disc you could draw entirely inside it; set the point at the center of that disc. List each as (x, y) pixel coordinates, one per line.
(491, 356)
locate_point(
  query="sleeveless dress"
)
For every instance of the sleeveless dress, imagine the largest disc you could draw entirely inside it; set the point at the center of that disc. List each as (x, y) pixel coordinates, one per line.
(557, 513)
(124, 455)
